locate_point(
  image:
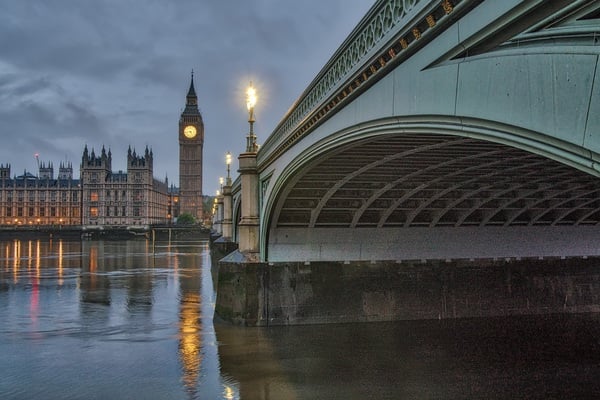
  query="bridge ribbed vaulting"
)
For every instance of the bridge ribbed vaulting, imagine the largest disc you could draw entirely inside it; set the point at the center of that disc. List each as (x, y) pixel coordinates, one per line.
(438, 180)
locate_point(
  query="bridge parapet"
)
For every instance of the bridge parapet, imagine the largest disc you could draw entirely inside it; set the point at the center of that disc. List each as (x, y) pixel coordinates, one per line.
(389, 33)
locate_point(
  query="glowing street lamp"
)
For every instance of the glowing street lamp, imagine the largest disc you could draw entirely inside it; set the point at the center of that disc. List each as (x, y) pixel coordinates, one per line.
(221, 182)
(248, 225)
(228, 162)
(251, 98)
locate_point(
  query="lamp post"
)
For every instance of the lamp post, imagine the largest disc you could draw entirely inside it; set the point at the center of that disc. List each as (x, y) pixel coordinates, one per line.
(249, 226)
(219, 200)
(228, 162)
(214, 214)
(227, 202)
(251, 146)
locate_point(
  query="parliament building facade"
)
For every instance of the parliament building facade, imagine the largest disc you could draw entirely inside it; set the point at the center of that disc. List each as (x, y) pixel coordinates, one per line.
(100, 197)
(41, 200)
(112, 198)
(103, 197)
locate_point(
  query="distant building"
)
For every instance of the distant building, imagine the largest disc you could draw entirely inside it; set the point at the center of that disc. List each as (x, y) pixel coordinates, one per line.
(42, 199)
(122, 198)
(104, 197)
(99, 197)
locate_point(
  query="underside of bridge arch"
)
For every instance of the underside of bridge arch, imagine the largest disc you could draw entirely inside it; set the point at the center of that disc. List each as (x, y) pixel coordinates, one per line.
(418, 196)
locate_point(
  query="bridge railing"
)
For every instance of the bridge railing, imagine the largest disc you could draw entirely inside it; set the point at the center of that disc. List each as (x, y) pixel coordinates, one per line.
(389, 31)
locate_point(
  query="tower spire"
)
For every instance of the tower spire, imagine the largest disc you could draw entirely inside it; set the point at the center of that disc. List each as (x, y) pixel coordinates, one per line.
(191, 103)
(192, 91)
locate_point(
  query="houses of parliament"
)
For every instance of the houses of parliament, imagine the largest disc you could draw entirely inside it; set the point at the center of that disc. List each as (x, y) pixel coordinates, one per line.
(103, 197)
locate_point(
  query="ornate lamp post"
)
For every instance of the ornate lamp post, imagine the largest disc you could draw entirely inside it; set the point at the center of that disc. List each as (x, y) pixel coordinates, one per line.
(219, 213)
(228, 162)
(251, 146)
(249, 225)
(214, 214)
(227, 203)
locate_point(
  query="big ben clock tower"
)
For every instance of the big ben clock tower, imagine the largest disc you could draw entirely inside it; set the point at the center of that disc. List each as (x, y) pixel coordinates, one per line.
(191, 140)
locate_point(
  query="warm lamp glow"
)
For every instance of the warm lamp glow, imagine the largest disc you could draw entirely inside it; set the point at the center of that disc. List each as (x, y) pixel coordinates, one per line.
(250, 97)
(221, 180)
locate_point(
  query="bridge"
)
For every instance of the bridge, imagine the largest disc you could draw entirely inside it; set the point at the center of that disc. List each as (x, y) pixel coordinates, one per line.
(441, 130)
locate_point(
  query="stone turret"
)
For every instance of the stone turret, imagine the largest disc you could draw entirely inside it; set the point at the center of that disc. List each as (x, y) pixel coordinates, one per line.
(65, 171)
(95, 168)
(46, 171)
(4, 171)
(135, 161)
(104, 160)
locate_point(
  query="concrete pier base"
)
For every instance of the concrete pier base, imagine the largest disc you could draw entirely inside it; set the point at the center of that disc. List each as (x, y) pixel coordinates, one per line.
(221, 246)
(260, 294)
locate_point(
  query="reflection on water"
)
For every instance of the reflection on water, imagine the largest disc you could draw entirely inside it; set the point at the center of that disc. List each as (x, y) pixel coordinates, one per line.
(190, 327)
(556, 357)
(189, 340)
(106, 319)
(133, 319)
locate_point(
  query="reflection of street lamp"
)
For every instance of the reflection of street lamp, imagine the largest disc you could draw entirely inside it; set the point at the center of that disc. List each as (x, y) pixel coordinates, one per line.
(251, 98)
(228, 162)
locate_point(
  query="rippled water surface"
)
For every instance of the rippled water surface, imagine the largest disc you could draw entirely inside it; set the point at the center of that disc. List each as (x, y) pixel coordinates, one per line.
(133, 320)
(107, 320)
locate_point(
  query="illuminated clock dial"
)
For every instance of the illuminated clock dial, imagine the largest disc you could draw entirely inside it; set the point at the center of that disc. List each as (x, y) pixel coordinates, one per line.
(189, 132)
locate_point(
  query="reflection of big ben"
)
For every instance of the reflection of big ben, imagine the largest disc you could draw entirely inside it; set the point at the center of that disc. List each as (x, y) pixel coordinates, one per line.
(191, 139)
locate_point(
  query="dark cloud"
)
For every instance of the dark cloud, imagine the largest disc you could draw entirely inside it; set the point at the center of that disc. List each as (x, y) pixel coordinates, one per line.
(115, 73)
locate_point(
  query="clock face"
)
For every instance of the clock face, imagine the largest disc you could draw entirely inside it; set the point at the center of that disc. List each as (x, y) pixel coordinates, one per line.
(189, 131)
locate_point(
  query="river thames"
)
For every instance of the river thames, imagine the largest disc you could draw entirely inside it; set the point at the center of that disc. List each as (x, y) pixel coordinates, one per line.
(134, 320)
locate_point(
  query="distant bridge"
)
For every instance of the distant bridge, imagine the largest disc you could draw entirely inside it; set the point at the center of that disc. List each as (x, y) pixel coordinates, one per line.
(438, 130)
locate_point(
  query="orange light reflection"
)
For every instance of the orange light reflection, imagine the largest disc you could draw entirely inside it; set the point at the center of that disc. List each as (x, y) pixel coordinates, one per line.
(189, 340)
(16, 259)
(60, 262)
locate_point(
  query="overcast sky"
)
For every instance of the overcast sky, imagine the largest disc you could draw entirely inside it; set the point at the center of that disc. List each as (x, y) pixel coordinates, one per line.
(116, 72)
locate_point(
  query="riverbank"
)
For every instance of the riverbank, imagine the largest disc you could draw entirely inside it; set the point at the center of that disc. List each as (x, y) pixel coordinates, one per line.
(163, 232)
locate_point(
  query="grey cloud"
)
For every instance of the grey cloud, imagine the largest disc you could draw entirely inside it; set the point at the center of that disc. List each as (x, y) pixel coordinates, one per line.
(115, 72)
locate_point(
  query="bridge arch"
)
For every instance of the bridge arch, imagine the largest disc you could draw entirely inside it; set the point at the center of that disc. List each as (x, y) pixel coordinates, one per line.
(428, 179)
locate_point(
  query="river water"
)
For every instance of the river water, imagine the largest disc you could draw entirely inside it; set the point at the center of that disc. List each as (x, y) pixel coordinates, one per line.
(133, 320)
